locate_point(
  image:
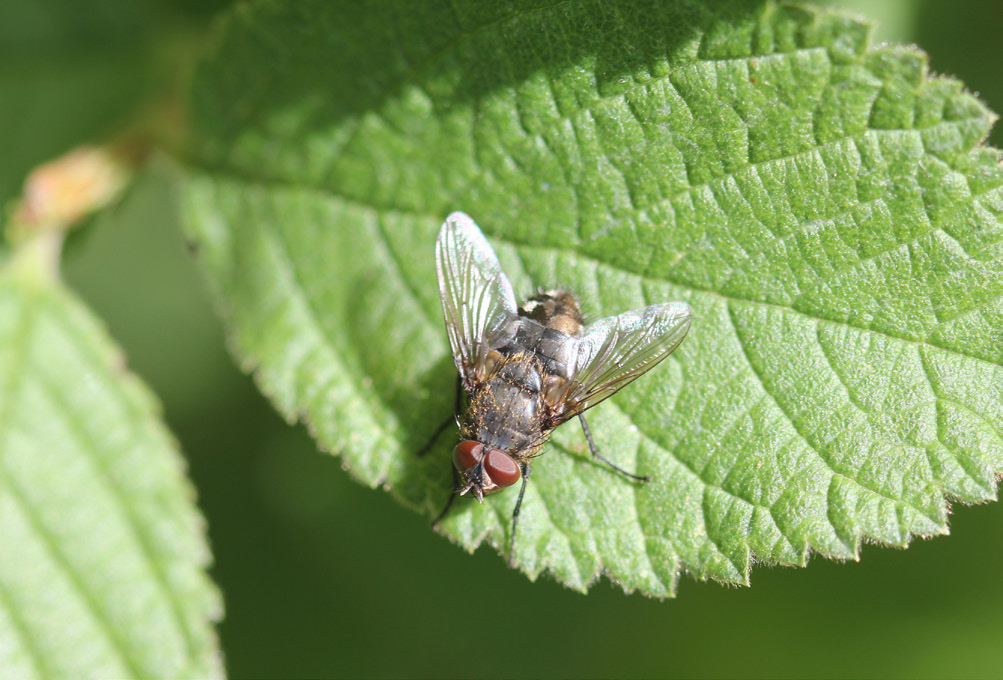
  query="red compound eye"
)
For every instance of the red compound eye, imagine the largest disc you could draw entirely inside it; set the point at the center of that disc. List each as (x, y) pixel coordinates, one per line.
(501, 468)
(467, 454)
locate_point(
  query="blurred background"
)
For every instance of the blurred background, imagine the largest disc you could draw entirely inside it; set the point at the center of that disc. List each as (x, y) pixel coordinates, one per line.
(323, 577)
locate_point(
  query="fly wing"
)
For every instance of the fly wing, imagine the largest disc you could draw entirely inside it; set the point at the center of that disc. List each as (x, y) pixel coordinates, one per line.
(614, 351)
(477, 298)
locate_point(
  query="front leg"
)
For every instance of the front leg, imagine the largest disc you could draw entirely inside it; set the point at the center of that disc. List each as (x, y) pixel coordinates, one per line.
(442, 428)
(452, 497)
(515, 512)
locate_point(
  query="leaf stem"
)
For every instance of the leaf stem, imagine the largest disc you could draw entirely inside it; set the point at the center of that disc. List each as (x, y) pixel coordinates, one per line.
(36, 259)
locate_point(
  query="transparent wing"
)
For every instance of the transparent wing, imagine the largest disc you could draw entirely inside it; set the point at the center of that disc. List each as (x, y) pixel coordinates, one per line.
(477, 298)
(614, 351)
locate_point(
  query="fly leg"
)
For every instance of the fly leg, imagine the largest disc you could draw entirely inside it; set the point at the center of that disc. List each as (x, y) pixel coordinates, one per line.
(435, 436)
(598, 456)
(442, 428)
(452, 497)
(515, 513)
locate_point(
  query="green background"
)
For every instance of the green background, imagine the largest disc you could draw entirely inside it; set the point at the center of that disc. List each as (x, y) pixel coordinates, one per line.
(322, 577)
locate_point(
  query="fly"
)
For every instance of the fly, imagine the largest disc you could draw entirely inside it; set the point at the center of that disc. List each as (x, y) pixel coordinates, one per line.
(525, 370)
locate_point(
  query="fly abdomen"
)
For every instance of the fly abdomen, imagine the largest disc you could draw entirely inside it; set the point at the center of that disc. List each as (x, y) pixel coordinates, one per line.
(521, 372)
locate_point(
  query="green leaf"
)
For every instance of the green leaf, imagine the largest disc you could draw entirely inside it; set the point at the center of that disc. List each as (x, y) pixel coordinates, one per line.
(103, 550)
(92, 59)
(824, 205)
(102, 60)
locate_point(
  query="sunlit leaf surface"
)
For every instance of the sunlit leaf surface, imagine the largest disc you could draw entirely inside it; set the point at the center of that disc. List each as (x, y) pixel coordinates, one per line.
(825, 206)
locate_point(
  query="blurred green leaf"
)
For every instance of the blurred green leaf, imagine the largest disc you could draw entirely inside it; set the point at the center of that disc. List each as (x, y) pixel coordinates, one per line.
(103, 548)
(78, 72)
(825, 207)
(70, 73)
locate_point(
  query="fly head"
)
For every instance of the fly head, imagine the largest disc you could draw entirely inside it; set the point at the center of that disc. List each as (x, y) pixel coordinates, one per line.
(483, 470)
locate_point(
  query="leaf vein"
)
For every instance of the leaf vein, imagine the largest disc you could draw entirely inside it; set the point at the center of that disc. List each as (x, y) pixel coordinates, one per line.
(247, 179)
(404, 279)
(18, 352)
(806, 439)
(141, 538)
(686, 465)
(35, 655)
(62, 562)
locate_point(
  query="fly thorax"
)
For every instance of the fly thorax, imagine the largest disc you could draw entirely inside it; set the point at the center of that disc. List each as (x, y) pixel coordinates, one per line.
(551, 305)
(557, 352)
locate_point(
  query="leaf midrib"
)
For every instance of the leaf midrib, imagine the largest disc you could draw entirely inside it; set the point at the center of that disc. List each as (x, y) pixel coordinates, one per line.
(137, 533)
(32, 308)
(19, 351)
(249, 180)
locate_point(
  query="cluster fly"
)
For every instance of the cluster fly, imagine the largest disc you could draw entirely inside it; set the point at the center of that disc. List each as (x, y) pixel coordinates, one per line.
(525, 370)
